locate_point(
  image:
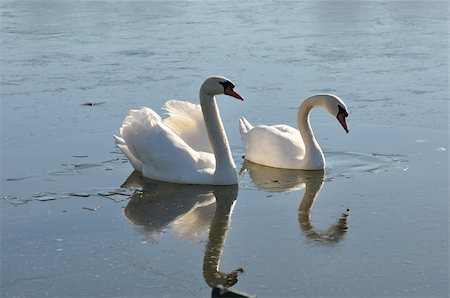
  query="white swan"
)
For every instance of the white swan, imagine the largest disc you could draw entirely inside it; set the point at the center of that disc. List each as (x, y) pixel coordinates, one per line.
(282, 146)
(179, 148)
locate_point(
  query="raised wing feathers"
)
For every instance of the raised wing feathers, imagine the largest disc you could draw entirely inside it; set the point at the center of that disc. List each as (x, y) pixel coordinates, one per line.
(186, 120)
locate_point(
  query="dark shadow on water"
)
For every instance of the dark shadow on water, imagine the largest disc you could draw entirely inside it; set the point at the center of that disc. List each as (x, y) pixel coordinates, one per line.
(157, 205)
(283, 180)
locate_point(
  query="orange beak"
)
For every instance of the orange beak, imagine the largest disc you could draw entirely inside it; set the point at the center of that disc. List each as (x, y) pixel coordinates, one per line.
(341, 117)
(230, 91)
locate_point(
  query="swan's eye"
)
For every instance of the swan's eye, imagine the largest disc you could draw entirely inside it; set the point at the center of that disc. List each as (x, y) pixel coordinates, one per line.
(226, 85)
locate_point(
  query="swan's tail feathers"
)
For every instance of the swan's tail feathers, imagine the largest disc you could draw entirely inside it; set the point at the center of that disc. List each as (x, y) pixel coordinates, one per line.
(135, 125)
(118, 140)
(137, 165)
(244, 126)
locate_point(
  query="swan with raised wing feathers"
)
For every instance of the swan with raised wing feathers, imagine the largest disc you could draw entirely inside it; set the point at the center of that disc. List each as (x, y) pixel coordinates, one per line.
(282, 146)
(190, 146)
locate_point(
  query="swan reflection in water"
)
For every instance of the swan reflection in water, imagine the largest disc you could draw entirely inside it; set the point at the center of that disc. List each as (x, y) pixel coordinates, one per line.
(283, 180)
(190, 210)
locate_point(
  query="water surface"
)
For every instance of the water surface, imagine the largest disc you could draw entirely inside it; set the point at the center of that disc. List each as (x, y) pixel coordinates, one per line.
(75, 220)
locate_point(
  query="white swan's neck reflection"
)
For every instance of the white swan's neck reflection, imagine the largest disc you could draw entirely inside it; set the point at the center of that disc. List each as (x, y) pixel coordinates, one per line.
(225, 200)
(332, 234)
(189, 210)
(282, 180)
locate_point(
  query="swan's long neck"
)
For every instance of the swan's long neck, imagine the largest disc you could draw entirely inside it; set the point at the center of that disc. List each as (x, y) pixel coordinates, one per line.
(313, 158)
(225, 172)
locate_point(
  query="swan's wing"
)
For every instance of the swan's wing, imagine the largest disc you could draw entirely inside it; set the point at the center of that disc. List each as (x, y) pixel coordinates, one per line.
(186, 120)
(275, 146)
(162, 153)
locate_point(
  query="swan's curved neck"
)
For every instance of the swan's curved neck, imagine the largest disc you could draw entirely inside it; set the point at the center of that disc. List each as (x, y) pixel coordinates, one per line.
(225, 172)
(313, 152)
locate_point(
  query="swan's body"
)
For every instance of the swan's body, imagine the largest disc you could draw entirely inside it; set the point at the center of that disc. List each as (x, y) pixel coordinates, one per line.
(189, 147)
(282, 146)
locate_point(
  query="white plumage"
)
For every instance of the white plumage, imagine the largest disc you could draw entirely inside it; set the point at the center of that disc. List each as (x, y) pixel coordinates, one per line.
(186, 120)
(181, 148)
(282, 146)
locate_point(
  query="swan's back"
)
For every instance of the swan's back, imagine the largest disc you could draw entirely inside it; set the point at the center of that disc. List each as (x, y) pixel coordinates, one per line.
(274, 146)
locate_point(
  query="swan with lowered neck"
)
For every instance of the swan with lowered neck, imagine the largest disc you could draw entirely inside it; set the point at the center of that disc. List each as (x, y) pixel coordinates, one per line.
(173, 150)
(282, 146)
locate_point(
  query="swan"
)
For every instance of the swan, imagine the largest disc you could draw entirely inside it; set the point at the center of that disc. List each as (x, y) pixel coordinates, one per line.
(188, 147)
(282, 146)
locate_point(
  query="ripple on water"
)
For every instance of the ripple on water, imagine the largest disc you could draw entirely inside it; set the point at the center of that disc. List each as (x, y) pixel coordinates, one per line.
(339, 164)
(349, 164)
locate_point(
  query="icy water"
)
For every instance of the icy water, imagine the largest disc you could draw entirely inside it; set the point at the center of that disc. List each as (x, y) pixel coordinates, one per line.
(76, 222)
